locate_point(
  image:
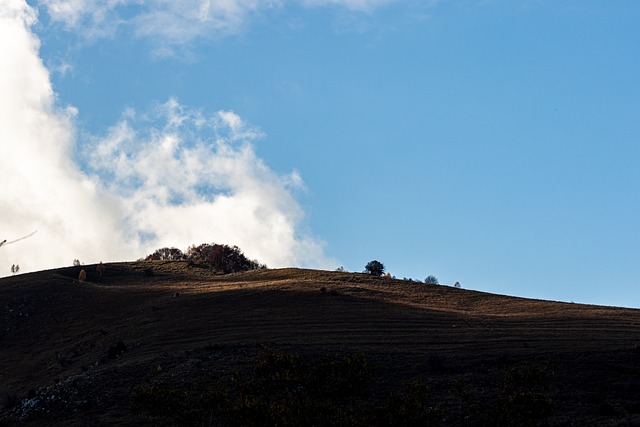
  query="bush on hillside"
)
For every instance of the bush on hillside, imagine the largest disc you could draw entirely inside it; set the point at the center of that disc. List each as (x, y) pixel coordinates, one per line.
(221, 258)
(431, 280)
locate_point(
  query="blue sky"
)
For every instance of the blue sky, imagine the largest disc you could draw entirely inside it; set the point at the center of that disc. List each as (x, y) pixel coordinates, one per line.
(492, 143)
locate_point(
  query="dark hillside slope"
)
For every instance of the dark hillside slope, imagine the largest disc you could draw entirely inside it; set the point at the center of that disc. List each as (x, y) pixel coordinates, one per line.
(76, 352)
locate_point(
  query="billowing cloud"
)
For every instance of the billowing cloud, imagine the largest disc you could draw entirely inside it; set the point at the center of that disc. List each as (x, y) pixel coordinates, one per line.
(183, 175)
(172, 176)
(172, 23)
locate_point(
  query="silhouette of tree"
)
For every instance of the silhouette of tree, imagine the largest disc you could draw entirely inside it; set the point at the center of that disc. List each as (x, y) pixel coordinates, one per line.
(375, 268)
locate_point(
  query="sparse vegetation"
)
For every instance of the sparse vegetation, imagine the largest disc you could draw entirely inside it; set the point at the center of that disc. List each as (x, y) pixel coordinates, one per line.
(375, 268)
(410, 406)
(285, 389)
(525, 398)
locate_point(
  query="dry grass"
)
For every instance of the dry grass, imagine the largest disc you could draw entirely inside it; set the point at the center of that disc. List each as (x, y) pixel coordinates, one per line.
(179, 322)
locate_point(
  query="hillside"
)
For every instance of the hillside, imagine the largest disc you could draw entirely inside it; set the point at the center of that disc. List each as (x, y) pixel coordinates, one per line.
(83, 353)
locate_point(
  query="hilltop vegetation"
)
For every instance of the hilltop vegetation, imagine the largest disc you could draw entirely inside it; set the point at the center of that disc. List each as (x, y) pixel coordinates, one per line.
(183, 346)
(220, 259)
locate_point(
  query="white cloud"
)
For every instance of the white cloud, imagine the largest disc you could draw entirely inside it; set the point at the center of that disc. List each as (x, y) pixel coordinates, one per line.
(174, 176)
(42, 189)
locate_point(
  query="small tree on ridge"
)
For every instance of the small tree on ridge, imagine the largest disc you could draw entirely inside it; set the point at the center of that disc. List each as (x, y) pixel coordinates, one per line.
(375, 268)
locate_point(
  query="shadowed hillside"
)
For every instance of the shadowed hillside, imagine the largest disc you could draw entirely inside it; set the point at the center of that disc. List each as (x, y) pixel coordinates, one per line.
(123, 346)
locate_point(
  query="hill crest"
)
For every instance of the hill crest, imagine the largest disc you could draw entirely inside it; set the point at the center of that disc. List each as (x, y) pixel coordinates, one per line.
(114, 330)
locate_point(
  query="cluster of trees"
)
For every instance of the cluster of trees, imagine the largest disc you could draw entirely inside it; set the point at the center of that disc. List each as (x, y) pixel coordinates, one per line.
(219, 258)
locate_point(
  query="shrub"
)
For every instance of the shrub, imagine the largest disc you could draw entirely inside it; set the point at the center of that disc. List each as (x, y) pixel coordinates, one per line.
(375, 268)
(431, 280)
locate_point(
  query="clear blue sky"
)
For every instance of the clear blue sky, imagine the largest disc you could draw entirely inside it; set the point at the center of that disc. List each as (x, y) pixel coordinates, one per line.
(494, 143)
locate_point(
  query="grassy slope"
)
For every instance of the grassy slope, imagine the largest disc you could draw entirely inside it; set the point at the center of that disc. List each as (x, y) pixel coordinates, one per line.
(181, 322)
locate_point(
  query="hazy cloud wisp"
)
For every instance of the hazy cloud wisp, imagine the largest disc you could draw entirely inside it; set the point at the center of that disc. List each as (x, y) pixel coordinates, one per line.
(172, 23)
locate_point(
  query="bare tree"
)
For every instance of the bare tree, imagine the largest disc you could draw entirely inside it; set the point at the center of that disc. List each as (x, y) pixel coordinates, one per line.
(4, 242)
